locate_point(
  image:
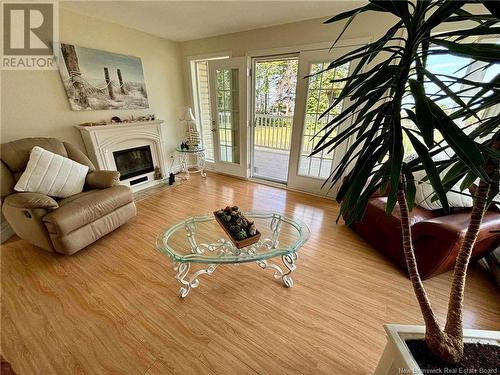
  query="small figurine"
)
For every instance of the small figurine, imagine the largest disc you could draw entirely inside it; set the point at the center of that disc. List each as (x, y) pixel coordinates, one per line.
(158, 175)
(171, 178)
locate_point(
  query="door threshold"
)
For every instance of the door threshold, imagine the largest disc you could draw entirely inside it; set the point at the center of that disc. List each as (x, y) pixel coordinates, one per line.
(264, 181)
(286, 187)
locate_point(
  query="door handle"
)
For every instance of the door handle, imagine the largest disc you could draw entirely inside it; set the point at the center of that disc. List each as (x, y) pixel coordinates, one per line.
(214, 130)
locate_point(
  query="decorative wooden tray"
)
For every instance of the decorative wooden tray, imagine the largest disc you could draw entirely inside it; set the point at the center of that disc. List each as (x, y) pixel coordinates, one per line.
(238, 243)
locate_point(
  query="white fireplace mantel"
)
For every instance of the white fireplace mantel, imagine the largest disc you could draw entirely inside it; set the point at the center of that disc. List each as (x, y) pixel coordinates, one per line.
(102, 140)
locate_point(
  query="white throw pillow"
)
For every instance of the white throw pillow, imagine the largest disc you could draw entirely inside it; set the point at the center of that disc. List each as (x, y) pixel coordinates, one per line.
(52, 174)
(425, 192)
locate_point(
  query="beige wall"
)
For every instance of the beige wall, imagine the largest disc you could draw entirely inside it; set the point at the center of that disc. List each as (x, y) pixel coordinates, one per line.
(291, 34)
(34, 103)
(288, 35)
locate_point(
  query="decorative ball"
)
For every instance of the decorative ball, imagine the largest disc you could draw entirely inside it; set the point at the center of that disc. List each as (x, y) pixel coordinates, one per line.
(241, 235)
(235, 228)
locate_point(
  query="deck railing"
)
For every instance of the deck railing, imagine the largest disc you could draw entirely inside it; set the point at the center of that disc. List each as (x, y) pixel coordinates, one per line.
(273, 131)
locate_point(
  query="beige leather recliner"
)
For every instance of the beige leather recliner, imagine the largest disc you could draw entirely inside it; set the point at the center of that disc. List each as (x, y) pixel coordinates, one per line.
(62, 225)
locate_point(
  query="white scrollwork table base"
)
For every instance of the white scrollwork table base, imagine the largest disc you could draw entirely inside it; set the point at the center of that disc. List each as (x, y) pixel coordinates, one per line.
(191, 282)
(187, 283)
(200, 163)
(288, 261)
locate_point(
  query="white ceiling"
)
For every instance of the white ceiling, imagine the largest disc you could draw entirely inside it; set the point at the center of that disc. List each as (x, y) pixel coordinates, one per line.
(188, 20)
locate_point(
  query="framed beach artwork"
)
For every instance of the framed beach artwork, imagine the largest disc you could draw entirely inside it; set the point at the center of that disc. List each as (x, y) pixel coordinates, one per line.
(98, 80)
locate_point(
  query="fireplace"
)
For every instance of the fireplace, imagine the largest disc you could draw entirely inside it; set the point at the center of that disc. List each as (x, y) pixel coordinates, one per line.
(133, 148)
(133, 162)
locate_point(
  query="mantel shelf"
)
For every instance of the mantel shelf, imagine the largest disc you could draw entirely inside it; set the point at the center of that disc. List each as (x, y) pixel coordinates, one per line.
(117, 125)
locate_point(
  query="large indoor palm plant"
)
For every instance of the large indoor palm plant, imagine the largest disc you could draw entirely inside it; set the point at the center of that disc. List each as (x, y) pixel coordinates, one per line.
(389, 103)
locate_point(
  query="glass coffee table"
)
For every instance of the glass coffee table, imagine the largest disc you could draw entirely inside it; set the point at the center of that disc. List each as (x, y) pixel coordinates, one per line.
(201, 240)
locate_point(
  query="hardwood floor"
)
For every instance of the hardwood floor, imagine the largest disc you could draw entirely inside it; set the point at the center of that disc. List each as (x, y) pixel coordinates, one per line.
(113, 308)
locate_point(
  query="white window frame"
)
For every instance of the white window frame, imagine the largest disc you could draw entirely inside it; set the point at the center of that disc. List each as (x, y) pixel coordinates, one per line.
(192, 77)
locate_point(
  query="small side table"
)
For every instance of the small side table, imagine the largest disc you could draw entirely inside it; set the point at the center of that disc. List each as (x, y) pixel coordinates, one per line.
(199, 167)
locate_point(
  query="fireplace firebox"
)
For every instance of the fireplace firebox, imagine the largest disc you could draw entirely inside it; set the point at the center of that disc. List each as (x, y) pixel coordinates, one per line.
(133, 162)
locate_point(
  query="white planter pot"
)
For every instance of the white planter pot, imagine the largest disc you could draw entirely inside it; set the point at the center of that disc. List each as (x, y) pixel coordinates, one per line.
(397, 358)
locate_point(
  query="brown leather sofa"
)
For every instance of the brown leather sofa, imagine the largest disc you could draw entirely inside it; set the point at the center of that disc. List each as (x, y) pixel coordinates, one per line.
(62, 225)
(436, 237)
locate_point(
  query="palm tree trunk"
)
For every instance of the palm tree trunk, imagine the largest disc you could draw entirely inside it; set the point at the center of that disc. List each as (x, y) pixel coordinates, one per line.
(432, 326)
(448, 344)
(437, 341)
(454, 318)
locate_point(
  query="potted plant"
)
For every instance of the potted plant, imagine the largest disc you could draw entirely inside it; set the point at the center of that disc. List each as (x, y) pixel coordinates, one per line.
(389, 101)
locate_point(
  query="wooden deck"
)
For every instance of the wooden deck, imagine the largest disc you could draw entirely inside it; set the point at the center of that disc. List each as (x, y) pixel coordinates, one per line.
(273, 164)
(113, 307)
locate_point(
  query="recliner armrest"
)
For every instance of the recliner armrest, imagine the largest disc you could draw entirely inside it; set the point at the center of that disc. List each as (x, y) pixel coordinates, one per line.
(31, 200)
(102, 179)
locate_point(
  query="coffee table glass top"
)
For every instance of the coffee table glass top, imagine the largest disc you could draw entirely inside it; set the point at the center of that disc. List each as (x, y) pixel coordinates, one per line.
(200, 239)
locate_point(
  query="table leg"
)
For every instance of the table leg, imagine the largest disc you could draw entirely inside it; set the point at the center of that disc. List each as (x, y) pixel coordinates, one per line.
(187, 283)
(183, 159)
(201, 163)
(288, 261)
